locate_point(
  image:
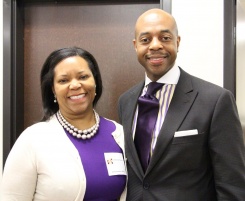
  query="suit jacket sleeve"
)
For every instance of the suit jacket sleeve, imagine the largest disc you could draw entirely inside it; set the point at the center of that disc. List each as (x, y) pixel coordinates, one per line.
(227, 152)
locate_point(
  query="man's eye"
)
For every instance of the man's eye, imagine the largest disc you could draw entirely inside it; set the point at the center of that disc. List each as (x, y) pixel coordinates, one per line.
(144, 40)
(167, 38)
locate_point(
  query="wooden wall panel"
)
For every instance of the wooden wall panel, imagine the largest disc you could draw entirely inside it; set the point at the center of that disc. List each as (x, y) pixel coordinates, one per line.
(106, 31)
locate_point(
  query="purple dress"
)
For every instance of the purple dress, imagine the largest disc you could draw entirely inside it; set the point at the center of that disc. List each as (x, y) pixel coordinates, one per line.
(100, 186)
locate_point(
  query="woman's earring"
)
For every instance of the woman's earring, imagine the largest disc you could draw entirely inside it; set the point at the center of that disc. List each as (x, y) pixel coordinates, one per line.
(95, 90)
(55, 101)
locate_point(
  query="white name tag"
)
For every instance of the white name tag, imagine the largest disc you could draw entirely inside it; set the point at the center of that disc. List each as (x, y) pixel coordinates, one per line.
(115, 164)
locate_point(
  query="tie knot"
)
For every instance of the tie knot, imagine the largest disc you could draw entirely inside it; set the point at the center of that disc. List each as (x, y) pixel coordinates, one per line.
(153, 87)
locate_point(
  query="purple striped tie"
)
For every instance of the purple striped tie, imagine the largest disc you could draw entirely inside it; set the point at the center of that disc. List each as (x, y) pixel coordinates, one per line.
(148, 106)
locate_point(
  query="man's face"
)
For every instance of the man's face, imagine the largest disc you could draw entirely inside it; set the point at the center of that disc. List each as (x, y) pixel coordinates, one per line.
(156, 43)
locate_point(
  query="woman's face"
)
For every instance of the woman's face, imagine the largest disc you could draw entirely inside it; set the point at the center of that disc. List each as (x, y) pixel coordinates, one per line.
(74, 86)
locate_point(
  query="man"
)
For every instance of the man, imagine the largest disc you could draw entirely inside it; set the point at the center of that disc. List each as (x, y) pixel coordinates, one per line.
(196, 147)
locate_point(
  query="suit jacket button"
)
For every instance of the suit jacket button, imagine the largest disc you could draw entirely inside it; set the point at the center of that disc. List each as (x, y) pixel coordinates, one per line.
(146, 185)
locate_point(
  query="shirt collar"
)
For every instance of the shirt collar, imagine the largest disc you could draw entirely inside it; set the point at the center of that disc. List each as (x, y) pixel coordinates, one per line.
(171, 77)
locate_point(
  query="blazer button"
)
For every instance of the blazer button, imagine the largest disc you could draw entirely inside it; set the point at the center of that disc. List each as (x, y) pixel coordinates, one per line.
(146, 186)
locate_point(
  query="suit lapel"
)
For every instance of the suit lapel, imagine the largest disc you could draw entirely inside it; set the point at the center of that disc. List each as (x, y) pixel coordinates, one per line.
(182, 100)
(131, 152)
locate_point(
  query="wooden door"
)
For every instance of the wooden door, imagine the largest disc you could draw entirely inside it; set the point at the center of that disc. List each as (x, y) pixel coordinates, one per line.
(105, 30)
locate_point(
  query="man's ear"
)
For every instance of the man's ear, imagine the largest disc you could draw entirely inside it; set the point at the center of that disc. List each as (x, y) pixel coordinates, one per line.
(178, 41)
(135, 46)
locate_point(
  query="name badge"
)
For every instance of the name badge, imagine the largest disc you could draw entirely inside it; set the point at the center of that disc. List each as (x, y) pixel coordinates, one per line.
(115, 164)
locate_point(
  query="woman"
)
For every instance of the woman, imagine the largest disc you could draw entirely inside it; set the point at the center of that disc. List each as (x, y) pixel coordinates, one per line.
(73, 154)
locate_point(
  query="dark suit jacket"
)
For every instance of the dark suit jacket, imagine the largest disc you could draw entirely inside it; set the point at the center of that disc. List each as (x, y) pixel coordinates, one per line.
(209, 166)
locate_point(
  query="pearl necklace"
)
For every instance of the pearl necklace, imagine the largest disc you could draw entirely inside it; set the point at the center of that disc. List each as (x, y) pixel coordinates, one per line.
(81, 134)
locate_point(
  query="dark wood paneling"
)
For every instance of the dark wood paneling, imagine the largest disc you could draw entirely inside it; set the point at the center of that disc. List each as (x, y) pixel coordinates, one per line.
(106, 31)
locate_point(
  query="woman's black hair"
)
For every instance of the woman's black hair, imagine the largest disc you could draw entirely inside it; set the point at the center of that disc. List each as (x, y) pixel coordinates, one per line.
(47, 77)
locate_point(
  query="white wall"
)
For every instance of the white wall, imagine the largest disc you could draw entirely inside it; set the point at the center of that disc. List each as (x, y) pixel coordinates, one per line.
(1, 88)
(200, 24)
